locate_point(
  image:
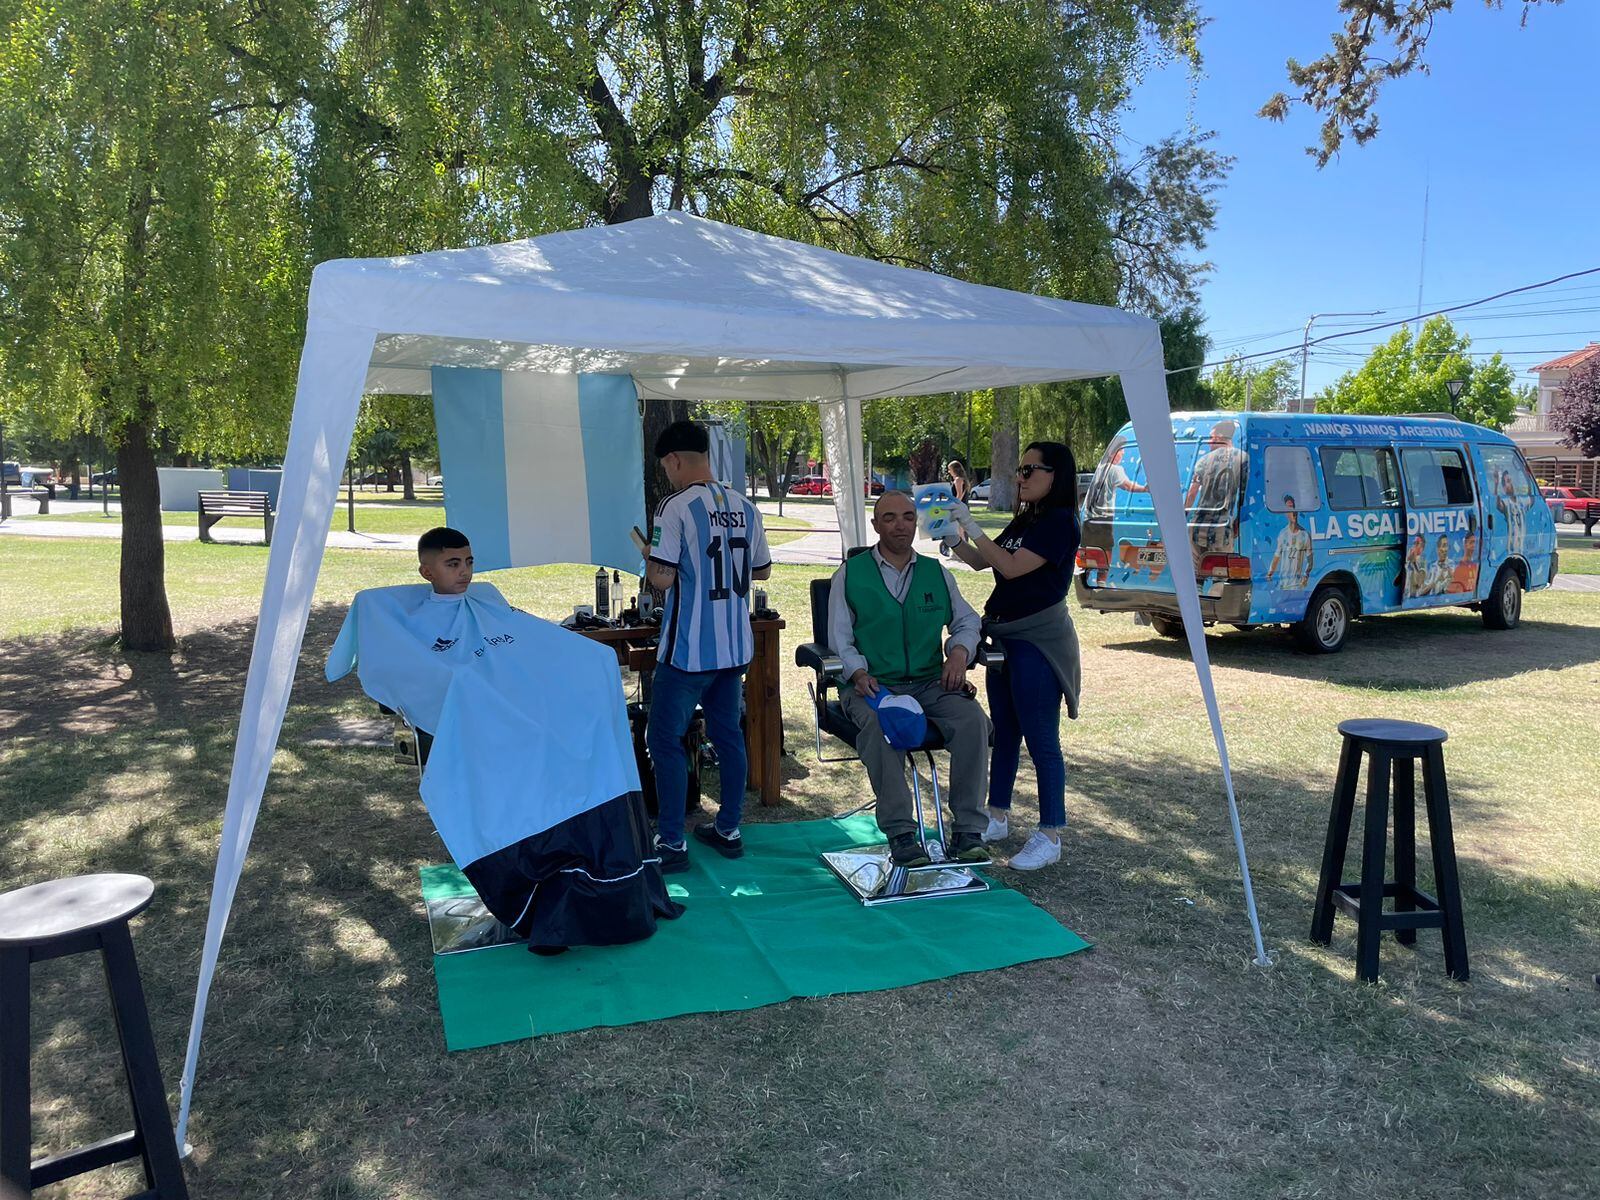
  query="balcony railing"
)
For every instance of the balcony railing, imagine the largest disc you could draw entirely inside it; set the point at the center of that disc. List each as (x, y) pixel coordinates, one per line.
(1538, 422)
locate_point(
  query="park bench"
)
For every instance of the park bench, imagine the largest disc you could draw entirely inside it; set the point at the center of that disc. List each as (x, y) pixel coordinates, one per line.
(216, 505)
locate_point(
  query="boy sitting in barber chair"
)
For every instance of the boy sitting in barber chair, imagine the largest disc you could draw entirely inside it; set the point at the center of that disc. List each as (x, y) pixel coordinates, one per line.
(888, 610)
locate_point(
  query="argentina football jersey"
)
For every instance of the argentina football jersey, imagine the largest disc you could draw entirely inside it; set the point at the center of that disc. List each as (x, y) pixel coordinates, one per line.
(714, 539)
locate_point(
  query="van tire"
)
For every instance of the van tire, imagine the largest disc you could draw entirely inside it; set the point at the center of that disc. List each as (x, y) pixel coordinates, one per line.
(1326, 624)
(1502, 607)
(1167, 627)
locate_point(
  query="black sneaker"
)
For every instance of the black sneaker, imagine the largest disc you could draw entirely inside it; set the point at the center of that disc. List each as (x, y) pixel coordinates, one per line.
(906, 851)
(673, 858)
(969, 848)
(727, 845)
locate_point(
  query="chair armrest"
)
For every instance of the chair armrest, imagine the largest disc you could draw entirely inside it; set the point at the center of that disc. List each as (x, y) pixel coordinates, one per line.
(991, 654)
(819, 658)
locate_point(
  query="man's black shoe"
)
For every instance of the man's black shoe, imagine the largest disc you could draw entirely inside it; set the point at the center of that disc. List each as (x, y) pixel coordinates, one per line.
(969, 848)
(673, 858)
(906, 851)
(728, 847)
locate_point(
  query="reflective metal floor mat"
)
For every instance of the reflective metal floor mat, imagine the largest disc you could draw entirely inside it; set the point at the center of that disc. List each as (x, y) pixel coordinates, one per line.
(462, 923)
(868, 873)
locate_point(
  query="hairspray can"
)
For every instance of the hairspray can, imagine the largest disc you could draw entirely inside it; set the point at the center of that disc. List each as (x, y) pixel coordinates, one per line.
(602, 594)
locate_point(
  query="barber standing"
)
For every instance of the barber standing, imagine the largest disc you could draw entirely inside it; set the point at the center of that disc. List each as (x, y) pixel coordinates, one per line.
(1027, 613)
(707, 545)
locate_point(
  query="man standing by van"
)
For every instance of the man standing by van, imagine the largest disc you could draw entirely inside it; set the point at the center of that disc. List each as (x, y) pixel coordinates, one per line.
(1212, 501)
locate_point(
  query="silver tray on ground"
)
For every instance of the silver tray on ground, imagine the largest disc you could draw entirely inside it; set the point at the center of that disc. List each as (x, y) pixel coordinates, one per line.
(868, 873)
(462, 923)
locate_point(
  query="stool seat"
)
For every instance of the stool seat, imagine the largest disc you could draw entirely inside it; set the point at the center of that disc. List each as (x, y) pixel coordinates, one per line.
(1400, 733)
(58, 908)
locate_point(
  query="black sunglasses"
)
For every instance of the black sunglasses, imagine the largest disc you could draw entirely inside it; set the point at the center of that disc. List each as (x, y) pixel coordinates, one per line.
(1026, 470)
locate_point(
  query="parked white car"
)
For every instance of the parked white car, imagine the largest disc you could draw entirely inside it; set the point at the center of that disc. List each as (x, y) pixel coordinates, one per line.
(980, 494)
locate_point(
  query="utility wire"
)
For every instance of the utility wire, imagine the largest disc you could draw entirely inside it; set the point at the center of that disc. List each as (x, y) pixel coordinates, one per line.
(1438, 312)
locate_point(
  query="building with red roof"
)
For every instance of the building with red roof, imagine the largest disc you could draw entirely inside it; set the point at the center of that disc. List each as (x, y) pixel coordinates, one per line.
(1553, 461)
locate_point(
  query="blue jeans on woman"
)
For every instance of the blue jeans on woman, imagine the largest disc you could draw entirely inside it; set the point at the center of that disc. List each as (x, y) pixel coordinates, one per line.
(673, 695)
(1025, 706)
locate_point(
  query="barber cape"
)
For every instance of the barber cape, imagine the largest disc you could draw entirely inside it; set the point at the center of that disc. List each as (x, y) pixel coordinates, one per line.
(530, 779)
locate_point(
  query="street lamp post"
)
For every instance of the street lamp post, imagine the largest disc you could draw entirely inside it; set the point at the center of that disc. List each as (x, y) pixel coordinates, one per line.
(1455, 387)
(1305, 341)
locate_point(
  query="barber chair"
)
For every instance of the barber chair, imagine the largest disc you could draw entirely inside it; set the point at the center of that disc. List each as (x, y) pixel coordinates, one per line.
(868, 871)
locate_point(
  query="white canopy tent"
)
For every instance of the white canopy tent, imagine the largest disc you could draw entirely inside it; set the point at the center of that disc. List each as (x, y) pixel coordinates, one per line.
(689, 308)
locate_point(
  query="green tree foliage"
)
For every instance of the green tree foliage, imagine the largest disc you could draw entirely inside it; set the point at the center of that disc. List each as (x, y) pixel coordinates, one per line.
(1406, 375)
(143, 286)
(174, 168)
(1268, 385)
(1381, 40)
(1577, 410)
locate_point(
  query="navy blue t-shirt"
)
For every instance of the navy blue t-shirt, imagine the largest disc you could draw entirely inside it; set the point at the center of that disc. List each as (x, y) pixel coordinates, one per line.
(1052, 535)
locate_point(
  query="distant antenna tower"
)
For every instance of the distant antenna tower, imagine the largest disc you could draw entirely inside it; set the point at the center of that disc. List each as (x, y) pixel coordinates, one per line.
(1422, 263)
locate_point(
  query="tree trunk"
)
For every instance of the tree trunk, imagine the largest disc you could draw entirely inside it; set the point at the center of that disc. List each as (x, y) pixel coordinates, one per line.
(1003, 454)
(146, 617)
(406, 482)
(658, 414)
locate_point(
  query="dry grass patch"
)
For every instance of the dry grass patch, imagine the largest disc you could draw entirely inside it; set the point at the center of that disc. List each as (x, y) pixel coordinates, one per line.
(1161, 1064)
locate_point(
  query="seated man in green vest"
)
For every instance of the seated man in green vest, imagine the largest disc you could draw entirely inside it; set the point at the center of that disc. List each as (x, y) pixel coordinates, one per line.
(887, 615)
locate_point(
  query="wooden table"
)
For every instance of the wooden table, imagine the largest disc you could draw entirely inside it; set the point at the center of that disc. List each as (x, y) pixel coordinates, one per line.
(635, 646)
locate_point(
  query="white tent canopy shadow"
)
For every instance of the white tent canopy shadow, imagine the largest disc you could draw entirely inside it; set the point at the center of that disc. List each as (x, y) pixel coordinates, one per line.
(689, 308)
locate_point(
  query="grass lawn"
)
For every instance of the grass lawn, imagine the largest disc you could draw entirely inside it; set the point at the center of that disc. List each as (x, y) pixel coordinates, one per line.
(1580, 561)
(1160, 1064)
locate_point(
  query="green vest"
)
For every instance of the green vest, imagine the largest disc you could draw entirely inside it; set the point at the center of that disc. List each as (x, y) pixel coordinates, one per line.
(901, 642)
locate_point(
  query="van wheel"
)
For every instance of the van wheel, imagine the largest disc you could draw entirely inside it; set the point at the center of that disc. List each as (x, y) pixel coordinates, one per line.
(1327, 621)
(1170, 627)
(1502, 607)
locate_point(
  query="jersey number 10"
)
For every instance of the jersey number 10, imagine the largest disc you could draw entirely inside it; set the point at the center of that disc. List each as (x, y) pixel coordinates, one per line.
(720, 565)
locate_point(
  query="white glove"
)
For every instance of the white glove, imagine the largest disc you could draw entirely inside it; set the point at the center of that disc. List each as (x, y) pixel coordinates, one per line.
(962, 516)
(951, 540)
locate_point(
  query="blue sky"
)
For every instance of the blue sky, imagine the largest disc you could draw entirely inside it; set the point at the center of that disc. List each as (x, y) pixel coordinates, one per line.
(1505, 134)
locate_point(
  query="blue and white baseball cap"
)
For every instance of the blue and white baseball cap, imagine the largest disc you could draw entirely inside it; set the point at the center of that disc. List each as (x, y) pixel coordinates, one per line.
(904, 724)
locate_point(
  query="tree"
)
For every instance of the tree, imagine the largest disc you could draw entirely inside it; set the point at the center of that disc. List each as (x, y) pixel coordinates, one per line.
(1266, 385)
(1381, 40)
(1577, 412)
(1409, 376)
(147, 281)
(778, 433)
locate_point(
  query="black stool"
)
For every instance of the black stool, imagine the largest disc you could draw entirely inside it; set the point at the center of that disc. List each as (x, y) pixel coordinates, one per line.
(51, 920)
(1402, 744)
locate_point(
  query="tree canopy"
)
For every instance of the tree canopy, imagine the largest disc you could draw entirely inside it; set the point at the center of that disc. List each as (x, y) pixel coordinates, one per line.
(1577, 411)
(1409, 375)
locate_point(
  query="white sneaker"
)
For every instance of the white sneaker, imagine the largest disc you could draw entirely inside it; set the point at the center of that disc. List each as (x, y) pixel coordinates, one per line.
(1038, 851)
(998, 830)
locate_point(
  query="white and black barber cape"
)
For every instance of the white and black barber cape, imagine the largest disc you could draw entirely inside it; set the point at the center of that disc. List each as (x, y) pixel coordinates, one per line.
(530, 778)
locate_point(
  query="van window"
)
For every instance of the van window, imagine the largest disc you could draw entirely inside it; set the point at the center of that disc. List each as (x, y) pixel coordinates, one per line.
(1506, 472)
(1436, 478)
(1119, 487)
(1360, 477)
(1289, 473)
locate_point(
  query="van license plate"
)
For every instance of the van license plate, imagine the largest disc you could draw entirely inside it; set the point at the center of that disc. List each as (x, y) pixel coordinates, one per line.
(1152, 558)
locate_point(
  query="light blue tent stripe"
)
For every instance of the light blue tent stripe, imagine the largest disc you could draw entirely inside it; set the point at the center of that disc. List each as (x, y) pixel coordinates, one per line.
(613, 453)
(469, 415)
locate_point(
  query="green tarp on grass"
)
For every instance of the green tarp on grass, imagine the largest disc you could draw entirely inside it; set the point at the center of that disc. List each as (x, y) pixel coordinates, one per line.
(759, 929)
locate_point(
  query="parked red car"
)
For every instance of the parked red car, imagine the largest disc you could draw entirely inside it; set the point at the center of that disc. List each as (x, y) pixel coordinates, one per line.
(816, 485)
(1567, 504)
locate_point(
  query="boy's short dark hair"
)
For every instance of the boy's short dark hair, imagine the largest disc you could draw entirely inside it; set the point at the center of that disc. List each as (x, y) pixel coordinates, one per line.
(442, 538)
(683, 437)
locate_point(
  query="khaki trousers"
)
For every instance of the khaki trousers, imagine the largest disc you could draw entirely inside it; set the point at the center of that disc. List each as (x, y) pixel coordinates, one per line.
(966, 736)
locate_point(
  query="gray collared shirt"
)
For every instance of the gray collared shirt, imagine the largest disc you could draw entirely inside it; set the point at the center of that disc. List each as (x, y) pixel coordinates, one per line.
(965, 624)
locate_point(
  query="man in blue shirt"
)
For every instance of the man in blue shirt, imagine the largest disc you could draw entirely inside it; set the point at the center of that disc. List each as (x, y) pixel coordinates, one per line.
(707, 546)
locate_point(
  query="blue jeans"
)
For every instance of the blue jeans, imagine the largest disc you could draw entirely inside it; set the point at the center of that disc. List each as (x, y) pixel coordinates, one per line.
(672, 700)
(1025, 705)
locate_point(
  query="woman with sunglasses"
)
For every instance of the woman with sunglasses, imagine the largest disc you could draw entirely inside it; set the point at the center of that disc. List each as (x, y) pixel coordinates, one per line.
(1027, 614)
